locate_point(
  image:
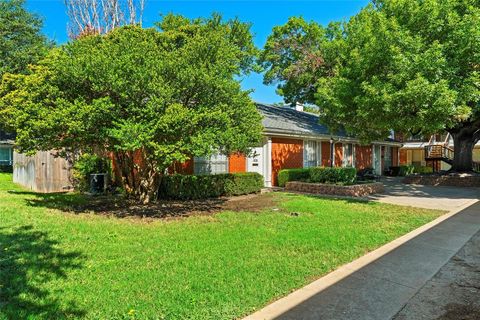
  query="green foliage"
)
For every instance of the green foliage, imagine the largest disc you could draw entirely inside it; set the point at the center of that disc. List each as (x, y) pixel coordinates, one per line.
(243, 183)
(423, 169)
(186, 187)
(407, 65)
(406, 170)
(287, 175)
(86, 165)
(333, 175)
(296, 55)
(21, 41)
(318, 175)
(170, 93)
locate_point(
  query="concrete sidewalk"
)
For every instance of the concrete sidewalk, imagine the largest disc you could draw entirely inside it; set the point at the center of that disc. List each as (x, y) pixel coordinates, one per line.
(379, 284)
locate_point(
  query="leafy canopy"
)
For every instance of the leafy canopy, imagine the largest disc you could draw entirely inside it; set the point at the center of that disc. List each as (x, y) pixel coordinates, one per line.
(399, 64)
(21, 42)
(170, 92)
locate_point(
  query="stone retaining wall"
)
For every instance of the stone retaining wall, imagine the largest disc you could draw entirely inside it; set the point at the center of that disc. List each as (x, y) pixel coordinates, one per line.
(453, 180)
(357, 190)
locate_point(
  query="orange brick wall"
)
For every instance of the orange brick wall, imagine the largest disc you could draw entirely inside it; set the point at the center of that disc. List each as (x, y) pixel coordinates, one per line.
(403, 156)
(237, 163)
(363, 157)
(338, 154)
(286, 154)
(394, 156)
(182, 168)
(325, 153)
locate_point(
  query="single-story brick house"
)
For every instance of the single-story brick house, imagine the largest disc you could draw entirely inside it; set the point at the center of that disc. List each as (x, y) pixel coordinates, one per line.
(292, 139)
(295, 139)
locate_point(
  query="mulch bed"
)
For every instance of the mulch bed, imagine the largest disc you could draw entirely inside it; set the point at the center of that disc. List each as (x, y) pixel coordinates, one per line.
(164, 209)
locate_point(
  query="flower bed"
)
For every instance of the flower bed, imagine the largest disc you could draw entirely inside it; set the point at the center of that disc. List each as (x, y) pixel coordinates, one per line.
(355, 190)
(452, 180)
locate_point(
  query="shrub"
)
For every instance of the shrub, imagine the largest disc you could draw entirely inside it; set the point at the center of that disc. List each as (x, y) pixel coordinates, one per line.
(406, 170)
(243, 183)
(423, 169)
(287, 175)
(333, 175)
(6, 168)
(86, 165)
(186, 187)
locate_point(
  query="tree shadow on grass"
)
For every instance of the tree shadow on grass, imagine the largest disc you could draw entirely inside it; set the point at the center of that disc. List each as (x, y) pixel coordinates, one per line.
(29, 261)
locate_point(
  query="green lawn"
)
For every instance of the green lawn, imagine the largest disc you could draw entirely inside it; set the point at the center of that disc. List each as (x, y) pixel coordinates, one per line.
(55, 264)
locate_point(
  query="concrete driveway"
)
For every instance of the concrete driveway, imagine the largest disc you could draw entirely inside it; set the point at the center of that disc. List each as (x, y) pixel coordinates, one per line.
(378, 285)
(443, 198)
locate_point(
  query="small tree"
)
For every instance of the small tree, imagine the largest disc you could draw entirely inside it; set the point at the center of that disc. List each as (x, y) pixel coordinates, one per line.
(149, 97)
(411, 66)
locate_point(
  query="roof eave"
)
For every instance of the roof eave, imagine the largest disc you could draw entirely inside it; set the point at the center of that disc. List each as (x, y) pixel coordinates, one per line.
(336, 138)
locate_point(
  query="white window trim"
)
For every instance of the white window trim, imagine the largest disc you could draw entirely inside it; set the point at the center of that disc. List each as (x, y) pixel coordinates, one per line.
(205, 161)
(317, 151)
(352, 156)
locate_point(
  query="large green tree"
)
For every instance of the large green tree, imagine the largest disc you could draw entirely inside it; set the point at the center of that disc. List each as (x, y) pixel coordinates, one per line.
(151, 97)
(21, 41)
(408, 65)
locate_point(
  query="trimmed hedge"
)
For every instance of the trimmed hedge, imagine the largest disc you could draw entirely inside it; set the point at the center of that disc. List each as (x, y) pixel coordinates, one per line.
(318, 175)
(287, 175)
(333, 175)
(189, 187)
(243, 183)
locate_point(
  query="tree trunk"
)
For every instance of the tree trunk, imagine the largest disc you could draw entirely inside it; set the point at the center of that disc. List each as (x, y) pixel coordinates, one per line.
(148, 186)
(463, 152)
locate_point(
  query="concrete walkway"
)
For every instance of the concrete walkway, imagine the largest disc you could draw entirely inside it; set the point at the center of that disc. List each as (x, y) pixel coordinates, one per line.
(379, 284)
(430, 197)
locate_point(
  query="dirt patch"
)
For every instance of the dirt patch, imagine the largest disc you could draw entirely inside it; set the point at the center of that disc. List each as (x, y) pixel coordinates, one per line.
(453, 293)
(251, 203)
(165, 209)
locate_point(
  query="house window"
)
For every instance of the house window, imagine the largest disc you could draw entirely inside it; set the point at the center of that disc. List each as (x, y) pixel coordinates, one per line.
(214, 164)
(348, 160)
(6, 156)
(387, 160)
(311, 153)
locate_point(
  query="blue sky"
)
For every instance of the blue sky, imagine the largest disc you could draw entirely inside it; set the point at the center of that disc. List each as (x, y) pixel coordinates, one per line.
(264, 15)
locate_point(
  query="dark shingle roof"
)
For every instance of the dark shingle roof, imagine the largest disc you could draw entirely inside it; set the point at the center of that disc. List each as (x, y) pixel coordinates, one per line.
(288, 120)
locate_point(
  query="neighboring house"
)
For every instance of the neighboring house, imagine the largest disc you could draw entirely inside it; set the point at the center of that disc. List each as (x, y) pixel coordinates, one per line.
(6, 151)
(296, 139)
(292, 139)
(435, 151)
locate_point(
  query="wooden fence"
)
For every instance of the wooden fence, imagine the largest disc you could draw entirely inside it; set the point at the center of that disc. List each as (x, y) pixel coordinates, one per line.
(44, 172)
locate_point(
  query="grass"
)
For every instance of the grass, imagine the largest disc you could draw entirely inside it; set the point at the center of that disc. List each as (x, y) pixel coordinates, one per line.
(55, 264)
